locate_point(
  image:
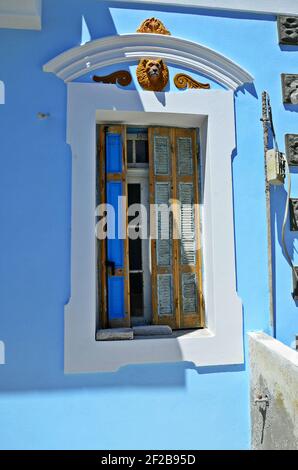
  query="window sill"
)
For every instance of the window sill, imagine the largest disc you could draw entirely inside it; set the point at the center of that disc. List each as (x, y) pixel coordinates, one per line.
(182, 334)
(193, 333)
(201, 347)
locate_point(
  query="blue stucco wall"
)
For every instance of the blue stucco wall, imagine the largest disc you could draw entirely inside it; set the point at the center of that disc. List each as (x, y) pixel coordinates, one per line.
(152, 406)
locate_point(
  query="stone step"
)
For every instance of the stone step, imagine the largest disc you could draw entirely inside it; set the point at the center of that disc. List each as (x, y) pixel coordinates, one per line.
(114, 334)
(152, 330)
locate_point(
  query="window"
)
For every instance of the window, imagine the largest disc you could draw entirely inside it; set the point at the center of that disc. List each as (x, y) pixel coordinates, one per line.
(148, 179)
(137, 147)
(221, 340)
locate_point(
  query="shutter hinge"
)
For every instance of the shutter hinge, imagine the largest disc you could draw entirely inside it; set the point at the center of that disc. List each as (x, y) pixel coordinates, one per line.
(202, 301)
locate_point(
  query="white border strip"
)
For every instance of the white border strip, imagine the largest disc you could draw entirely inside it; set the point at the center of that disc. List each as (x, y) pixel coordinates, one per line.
(2, 353)
(2, 92)
(127, 48)
(268, 7)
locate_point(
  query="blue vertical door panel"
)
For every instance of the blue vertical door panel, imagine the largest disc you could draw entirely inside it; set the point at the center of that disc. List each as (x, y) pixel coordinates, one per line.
(116, 305)
(114, 153)
(115, 245)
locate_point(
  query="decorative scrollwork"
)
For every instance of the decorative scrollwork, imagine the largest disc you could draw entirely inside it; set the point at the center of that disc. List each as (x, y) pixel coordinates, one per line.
(121, 77)
(153, 26)
(183, 81)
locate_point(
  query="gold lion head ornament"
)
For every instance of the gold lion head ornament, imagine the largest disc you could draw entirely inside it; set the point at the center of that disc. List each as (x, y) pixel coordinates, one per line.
(152, 74)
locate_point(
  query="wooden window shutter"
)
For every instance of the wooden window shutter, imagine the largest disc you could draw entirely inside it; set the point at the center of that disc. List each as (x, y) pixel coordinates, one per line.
(189, 282)
(114, 278)
(164, 308)
(176, 263)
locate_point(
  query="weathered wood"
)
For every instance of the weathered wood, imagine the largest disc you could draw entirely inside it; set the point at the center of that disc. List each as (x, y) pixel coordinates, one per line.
(189, 275)
(162, 252)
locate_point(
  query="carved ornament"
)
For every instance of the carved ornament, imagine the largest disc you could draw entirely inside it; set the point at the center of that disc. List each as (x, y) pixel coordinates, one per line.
(153, 26)
(152, 74)
(121, 77)
(183, 81)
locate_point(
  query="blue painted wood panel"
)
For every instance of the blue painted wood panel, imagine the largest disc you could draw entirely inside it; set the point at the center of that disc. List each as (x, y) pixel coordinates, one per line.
(116, 306)
(115, 245)
(114, 153)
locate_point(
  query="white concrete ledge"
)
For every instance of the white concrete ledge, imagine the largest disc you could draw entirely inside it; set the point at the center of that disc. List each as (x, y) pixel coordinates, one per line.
(275, 347)
(20, 14)
(274, 376)
(269, 7)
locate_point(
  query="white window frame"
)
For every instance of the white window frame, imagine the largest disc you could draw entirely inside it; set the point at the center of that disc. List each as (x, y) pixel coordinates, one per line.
(221, 342)
(21, 14)
(2, 353)
(2, 92)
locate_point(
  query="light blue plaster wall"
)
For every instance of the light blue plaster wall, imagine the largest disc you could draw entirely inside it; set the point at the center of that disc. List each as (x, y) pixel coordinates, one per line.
(153, 406)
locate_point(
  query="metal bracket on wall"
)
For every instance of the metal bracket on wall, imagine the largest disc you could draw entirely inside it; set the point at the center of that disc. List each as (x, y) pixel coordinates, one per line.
(262, 399)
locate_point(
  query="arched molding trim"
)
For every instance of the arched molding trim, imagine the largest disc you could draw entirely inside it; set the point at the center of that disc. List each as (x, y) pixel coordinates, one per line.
(128, 48)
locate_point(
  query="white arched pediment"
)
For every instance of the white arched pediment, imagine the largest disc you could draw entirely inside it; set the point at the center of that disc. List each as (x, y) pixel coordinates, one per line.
(128, 48)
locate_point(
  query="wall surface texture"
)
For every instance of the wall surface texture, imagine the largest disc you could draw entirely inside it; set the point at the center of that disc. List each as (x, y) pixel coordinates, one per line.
(153, 406)
(274, 372)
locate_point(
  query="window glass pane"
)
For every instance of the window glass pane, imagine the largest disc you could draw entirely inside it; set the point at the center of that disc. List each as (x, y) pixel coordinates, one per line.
(136, 294)
(129, 151)
(134, 194)
(142, 151)
(135, 254)
(134, 197)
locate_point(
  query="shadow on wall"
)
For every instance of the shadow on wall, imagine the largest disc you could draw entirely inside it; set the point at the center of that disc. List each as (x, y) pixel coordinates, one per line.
(288, 48)
(249, 88)
(132, 376)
